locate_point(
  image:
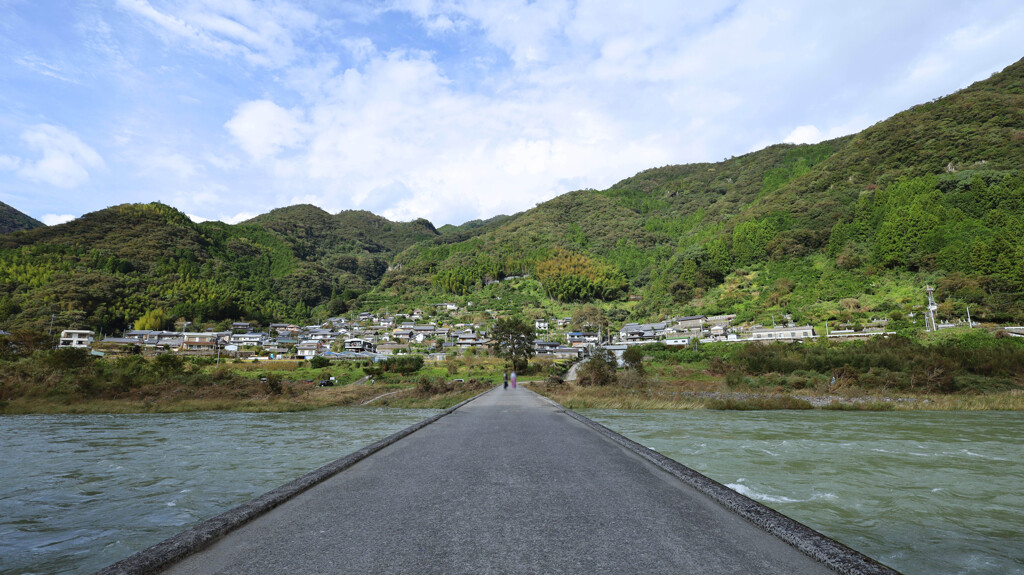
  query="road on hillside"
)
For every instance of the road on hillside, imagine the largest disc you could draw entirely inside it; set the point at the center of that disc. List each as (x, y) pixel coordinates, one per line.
(506, 484)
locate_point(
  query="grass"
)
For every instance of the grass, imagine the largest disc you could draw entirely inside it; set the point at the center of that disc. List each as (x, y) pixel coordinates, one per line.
(699, 384)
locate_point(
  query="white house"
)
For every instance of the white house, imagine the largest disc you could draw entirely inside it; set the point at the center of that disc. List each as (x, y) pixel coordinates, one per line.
(76, 338)
(309, 349)
(782, 333)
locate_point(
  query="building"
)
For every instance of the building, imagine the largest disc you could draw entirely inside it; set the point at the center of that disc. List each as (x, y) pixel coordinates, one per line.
(582, 338)
(199, 343)
(781, 333)
(309, 349)
(76, 338)
(356, 344)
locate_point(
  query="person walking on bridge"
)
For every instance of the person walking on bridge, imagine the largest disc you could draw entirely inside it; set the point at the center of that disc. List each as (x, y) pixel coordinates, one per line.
(513, 380)
(506, 380)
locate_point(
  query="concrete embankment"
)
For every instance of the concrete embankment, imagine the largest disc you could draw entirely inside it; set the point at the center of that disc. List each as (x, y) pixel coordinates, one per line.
(507, 483)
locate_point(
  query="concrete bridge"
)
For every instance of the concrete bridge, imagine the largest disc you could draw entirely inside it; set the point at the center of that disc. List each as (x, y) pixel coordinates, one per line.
(508, 482)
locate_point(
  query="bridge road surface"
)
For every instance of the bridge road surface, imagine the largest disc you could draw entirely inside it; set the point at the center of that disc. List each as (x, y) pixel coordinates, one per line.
(507, 483)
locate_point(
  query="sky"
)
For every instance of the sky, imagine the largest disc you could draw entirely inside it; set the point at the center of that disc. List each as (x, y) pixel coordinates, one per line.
(450, 110)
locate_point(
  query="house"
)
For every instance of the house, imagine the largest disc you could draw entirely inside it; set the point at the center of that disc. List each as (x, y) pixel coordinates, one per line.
(562, 352)
(545, 347)
(540, 325)
(782, 333)
(391, 348)
(76, 338)
(468, 339)
(199, 343)
(321, 335)
(250, 338)
(309, 349)
(446, 306)
(241, 326)
(402, 334)
(718, 330)
(725, 319)
(283, 328)
(582, 338)
(112, 346)
(690, 322)
(356, 344)
(425, 329)
(633, 333)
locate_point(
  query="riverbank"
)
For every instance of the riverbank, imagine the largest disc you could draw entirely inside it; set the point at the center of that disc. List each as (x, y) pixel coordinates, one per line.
(58, 382)
(680, 396)
(397, 396)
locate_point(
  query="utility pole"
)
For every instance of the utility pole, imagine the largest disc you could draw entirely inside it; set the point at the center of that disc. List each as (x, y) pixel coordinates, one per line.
(969, 322)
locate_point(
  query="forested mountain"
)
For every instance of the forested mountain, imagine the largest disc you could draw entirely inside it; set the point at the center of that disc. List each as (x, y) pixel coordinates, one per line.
(12, 220)
(848, 229)
(110, 268)
(842, 229)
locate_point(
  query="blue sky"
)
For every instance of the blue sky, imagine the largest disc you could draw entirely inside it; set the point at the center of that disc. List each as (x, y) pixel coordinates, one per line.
(449, 110)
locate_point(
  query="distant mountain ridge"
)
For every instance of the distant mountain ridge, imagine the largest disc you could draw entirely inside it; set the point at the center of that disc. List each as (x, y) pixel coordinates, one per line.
(11, 220)
(844, 230)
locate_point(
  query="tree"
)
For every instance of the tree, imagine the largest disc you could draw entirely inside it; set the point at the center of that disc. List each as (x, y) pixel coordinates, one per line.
(589, 317)
(598, 370)
(633, 357)
(513, 340)
(155, 319)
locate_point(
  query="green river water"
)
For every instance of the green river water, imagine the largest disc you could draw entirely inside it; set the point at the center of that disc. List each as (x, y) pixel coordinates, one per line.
(923, 492)
(931, 493)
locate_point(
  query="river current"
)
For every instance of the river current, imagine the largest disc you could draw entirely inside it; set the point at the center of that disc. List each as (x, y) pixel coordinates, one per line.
(923, 492)
(926, 493)
(79, 492)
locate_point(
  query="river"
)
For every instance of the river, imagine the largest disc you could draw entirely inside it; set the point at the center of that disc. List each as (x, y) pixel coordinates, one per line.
(923, 492)
(926, 493)
(79, 492)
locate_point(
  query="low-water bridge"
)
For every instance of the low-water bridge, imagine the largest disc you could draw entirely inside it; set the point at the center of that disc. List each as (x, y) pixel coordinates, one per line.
(508, 482)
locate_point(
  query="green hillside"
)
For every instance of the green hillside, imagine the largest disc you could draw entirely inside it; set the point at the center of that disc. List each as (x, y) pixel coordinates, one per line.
(11, 220)
(849, 229)
(845, 229)
(109, 268)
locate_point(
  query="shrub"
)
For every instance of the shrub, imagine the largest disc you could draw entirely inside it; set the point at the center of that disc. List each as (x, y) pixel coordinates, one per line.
(319, 362)
(598, 370)
(274, 383)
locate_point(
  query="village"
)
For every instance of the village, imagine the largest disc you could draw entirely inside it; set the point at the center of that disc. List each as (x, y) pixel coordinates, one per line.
(375, 337)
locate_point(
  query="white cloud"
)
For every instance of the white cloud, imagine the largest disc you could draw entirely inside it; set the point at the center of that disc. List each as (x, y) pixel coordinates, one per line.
(804, 135)
(263, 33)
(239, 217)
(9, 163)
(41, 66)
(262, 128)
(456, 109)
(170, 162)
(66, 159)
(55, 219)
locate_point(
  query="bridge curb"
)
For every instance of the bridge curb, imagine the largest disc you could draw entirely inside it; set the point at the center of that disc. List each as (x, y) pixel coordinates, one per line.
(204, 534)
(824, 549)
